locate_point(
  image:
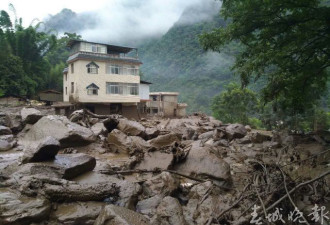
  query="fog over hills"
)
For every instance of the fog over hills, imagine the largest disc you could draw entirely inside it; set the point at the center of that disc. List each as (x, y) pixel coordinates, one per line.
(172, 57)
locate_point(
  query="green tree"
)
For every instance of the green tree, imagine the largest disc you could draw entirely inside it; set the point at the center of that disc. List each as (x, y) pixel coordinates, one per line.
(235, 104)
(285, 41)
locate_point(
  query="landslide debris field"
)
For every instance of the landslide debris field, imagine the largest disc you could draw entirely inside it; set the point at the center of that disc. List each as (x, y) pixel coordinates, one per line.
(99, 169)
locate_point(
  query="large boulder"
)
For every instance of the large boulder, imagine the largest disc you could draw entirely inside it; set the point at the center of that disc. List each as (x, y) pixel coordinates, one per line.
(18, 209)
(169, 212)
(119, 141)
(115, 215)
(30, 115)
(67, 133)
(5, 130)
(235, 131)
(45, 150)
(148, 207)
(77, 213)
(131, 128)
(202, 162)
(156, 159)
(162, 184)
(165, 140)
(66, 166)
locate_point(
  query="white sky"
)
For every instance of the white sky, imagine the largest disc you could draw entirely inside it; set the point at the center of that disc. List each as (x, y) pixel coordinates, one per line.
(118, 21)
(31, 9)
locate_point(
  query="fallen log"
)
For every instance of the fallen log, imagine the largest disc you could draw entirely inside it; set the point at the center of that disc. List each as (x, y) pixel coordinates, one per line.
(80, 192)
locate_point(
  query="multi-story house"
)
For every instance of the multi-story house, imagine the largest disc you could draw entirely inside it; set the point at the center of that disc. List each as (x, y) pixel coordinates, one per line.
(103, 78)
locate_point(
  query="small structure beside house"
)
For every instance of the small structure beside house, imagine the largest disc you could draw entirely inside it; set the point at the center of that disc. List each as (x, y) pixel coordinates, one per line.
(50, 96)
(144, 90)
(166, 104)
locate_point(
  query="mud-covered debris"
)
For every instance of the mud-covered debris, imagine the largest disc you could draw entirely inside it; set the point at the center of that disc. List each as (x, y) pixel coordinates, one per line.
(18, 209)
(164, 184)
(169, 212)
(112, 214)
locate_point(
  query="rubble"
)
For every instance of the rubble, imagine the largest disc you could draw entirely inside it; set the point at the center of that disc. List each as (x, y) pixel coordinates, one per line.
(194, 170)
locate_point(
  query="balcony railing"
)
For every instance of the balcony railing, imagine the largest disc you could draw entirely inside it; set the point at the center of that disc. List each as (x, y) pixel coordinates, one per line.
(120, 56)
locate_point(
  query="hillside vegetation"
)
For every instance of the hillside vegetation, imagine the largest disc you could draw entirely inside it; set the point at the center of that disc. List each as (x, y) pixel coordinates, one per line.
(177, 62)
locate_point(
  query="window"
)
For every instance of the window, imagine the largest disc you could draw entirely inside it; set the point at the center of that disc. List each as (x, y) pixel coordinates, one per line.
(66, 77)
(66, 90)
(122, 70)
(96, 48)
(92, 89)
(72, 68)
(92, 68)
(72, 87)
(122, 88)
(154, 97)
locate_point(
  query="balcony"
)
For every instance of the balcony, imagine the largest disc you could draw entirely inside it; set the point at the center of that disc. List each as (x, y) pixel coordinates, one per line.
(101, 56)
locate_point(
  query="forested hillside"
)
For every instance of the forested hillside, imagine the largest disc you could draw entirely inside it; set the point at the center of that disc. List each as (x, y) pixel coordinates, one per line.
(177, 62)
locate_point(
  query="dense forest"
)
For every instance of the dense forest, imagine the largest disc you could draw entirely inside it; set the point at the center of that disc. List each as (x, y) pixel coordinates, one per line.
(266, 65)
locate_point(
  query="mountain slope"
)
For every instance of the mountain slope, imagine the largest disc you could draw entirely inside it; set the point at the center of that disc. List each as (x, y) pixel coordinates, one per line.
(177, 62)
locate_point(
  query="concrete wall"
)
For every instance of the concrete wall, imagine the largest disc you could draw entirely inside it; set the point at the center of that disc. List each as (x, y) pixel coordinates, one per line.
(82, 79)
(144, 90)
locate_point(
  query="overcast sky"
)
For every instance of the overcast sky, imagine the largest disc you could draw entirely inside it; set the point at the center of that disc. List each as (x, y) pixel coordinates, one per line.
(116, 19)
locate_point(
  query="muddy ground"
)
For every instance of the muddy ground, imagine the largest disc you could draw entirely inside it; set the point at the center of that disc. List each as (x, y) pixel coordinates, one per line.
(106, 169)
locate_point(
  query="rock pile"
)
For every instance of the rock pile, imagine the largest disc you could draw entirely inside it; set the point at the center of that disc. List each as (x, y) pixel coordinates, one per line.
(92, 169)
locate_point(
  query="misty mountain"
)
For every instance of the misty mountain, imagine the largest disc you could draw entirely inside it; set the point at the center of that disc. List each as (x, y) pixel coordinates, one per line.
(69, 21)
(177, 62)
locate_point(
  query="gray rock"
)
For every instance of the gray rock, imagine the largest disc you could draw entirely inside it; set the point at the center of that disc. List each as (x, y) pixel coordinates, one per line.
(156, 159)
(202, 162)
(165, 140)
(162, 184)
(206, 135)
(257, 137)
(152, 133)
(74, 164)
(148, 207)
(235, 131)
(115, 215)
(5, 119)
(5, 144)
(16, 123)
(98, 128)
(244, 140)
(128, 194)
(67, 133)
(131, 128)
(169, 212)
(5, 130)
(45, 150)
(123, 143)
(80, 213)
(30, 115)
(18, 209)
